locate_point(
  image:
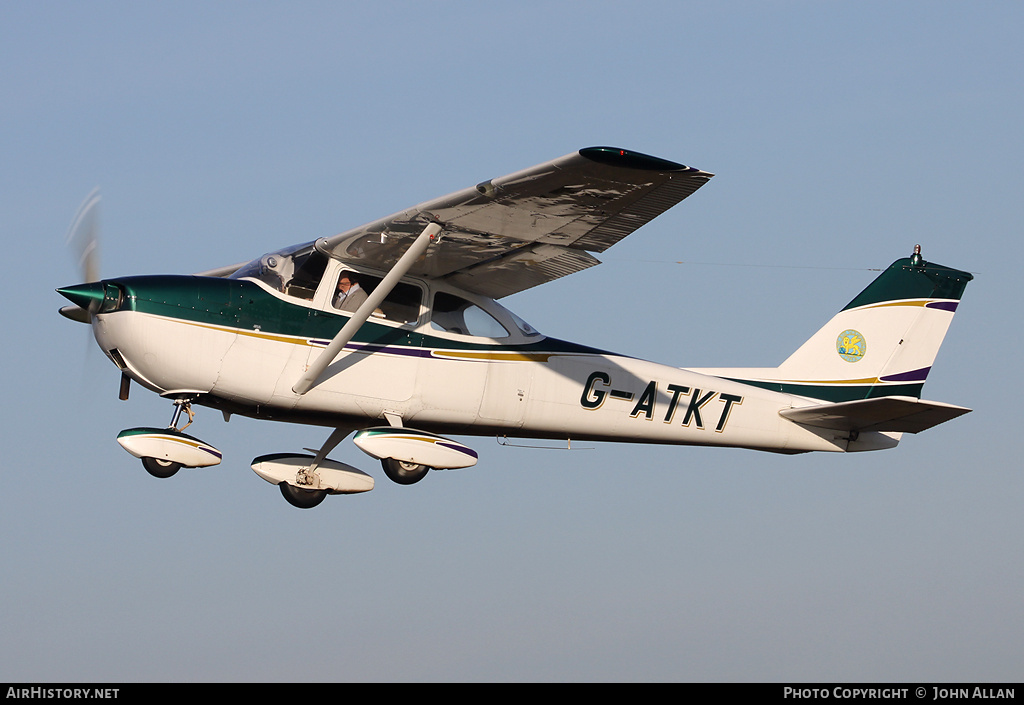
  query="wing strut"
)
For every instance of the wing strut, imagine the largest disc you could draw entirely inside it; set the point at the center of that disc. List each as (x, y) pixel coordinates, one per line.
(312, 376)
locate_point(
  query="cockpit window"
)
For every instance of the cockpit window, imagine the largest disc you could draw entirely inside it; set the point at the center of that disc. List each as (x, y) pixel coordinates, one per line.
(402, 304)
(295, 271)
(453, 314)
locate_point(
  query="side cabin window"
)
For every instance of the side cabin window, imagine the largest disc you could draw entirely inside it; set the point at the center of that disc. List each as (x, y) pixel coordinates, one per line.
(296, 271)
(401, 305)
(454, 314)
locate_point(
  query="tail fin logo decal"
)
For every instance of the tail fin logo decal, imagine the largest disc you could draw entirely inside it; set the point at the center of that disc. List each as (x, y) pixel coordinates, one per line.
(851, 345)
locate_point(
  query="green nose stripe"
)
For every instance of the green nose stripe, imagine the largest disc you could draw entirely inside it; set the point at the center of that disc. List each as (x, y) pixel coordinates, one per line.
(84, 295)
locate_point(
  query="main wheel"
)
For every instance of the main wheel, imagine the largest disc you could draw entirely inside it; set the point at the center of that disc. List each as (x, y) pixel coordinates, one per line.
(402, 472)
(301, 498)
(160, 468)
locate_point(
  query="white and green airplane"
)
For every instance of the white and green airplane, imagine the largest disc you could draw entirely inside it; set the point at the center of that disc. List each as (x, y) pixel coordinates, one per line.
(392, 331)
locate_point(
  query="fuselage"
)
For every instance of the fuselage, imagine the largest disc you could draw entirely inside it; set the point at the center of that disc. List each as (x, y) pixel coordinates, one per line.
(239, 345)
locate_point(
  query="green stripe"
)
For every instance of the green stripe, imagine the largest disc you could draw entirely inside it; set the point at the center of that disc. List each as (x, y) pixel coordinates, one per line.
(153, 431)
(244, 305)
(905, 279)
(830, 392)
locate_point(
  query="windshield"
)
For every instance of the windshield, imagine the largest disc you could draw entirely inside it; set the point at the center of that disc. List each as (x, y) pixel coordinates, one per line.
(295, 271)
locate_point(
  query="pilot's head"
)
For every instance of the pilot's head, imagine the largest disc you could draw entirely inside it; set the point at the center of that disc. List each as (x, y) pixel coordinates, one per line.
(345, 282)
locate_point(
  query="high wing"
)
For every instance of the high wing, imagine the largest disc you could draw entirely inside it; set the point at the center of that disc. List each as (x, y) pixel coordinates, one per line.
(515, 232)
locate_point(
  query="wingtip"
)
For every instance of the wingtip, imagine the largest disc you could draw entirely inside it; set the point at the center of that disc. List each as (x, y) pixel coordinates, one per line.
(616, 156)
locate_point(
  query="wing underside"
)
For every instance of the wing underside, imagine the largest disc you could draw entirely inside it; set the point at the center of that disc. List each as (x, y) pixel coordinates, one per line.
(515, 232)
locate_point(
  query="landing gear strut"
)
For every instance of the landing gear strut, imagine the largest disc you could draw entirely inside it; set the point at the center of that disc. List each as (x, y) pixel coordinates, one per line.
(182, 404)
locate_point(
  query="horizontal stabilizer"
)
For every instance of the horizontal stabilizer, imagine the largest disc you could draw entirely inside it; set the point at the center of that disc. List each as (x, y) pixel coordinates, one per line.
(895, 414)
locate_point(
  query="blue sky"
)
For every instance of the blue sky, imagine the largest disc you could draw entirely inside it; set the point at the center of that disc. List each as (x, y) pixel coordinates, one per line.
(840, 135)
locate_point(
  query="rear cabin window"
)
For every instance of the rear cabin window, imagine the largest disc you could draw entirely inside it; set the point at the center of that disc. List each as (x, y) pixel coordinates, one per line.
(454, 314)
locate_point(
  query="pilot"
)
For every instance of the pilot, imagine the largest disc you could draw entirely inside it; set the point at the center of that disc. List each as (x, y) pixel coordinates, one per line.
(349, 294)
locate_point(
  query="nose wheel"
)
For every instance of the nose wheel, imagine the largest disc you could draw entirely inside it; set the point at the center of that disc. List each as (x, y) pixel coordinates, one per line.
(158, 467)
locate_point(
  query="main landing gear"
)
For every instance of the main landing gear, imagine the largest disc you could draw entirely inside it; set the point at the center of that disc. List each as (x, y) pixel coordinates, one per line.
(306, 480)
(303, 499)
(405, 454)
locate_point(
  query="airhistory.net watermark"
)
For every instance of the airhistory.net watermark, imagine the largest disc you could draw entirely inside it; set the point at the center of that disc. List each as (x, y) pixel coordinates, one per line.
(41, 693)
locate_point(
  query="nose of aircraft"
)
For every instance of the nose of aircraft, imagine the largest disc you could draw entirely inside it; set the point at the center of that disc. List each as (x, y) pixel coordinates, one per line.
(86, 296)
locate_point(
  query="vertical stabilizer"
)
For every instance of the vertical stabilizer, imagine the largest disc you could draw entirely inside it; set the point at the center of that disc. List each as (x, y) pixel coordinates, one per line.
(882, 344)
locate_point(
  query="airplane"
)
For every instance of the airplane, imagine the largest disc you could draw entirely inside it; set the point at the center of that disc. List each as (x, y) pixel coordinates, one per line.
(392, 332)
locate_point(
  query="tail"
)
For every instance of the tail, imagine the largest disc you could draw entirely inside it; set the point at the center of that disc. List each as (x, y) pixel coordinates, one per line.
(882, 344)
(866, 366)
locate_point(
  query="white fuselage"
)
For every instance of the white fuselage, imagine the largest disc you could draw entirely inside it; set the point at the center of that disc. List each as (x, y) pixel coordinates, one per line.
(524, 386)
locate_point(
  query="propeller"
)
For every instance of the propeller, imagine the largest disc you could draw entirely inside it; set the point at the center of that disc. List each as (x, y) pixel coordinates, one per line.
(83, 236)
(83, 239)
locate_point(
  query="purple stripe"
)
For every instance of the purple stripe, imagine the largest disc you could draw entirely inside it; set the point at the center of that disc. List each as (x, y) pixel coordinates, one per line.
(462, 449)
(390, 349)
(912, 376)
(942, 305)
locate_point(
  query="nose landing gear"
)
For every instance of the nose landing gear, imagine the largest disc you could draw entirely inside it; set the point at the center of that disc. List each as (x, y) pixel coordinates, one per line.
(164, 451)
(158, 467)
